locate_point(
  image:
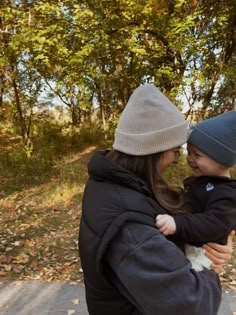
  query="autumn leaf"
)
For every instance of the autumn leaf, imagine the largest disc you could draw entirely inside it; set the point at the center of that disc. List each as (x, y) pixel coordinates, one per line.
(34, 264)
(19, 243)
(22, 259)
(7, 267)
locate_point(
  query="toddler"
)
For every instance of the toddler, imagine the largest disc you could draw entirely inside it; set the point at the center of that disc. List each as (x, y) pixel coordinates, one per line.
(211, 191)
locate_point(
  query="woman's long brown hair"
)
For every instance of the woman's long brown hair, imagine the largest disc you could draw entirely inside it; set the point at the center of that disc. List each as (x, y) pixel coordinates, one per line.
(147, 168)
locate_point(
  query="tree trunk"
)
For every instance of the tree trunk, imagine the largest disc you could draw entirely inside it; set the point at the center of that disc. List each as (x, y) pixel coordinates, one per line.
(102, 113)
(75, 115)
(19, 110)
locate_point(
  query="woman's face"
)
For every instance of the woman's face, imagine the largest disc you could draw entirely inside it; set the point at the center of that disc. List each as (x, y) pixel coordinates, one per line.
(169, 157)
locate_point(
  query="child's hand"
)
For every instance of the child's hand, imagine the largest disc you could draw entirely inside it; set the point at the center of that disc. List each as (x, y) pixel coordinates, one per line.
(166, 224)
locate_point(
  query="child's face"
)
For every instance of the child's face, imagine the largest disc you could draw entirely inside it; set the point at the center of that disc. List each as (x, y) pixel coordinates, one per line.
(169, 157)
(203, 165)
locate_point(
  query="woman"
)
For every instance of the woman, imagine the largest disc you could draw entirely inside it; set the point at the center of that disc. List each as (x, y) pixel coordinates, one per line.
(129, 266)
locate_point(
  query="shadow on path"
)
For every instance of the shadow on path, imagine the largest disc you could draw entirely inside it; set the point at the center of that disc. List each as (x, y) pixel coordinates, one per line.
(42, 298)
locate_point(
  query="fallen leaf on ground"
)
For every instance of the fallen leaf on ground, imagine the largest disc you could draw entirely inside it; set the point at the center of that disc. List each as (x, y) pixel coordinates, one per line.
(19, 243)
(22, 259)
(7, 267)
(34, 264)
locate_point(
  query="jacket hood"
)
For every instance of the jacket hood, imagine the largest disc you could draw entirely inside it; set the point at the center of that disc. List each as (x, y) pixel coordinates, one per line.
(101, 168)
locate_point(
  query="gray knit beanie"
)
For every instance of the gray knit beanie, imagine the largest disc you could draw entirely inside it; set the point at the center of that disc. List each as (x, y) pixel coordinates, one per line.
(149, 124)
(216, 137)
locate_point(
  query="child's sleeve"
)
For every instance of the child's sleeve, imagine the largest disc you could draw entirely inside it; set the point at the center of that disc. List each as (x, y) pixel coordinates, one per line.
(214, 224)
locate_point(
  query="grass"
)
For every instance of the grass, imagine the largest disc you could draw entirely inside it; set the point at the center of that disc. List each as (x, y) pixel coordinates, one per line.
(40, 208)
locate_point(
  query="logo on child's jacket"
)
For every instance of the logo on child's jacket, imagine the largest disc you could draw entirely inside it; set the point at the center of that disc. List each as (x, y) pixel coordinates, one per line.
(209, 187)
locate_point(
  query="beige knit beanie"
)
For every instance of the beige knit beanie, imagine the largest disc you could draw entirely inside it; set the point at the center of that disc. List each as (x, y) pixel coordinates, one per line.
(150, 123)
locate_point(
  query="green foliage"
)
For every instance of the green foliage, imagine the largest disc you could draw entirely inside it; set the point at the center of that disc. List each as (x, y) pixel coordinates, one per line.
(20, 171)
(93, 54)
(48, 135)
(91, 133)
(233, 172)
(50, 143)
(177, 173)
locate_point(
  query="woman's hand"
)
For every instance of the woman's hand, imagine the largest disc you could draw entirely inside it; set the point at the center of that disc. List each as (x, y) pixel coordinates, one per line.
(220, 254)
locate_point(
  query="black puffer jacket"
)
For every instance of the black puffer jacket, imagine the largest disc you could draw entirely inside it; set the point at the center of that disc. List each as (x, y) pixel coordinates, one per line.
(129, 266)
